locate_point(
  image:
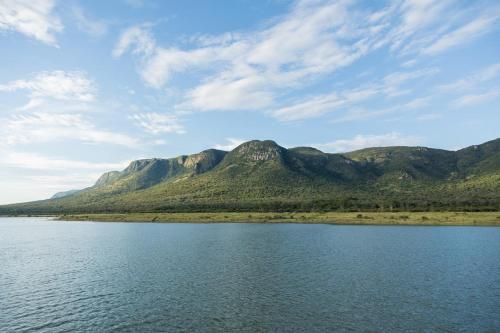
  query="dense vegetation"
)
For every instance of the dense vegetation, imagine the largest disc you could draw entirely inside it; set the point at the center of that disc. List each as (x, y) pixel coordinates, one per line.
(263, 176)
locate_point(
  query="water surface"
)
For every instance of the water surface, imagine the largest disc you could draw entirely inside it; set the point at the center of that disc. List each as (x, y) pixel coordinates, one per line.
(128, 277)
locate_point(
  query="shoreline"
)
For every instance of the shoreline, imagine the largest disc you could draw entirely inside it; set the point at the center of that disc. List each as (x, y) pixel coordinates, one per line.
(351, 218)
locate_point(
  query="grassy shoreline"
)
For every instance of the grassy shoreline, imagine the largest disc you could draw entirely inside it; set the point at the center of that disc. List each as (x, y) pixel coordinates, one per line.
(356, 218)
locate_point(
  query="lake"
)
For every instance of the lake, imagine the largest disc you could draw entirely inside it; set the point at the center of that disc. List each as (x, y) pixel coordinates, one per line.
(133, 277)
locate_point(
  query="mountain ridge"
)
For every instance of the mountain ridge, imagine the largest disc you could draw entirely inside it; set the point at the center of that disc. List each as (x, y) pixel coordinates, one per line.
(262, 175)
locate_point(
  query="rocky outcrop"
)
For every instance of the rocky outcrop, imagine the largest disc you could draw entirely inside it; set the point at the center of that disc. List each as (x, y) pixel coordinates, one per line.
(107, 178)
(203, 161)
(255, 151)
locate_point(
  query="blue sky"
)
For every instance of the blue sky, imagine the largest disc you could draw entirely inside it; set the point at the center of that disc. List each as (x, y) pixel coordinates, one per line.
(87, 86)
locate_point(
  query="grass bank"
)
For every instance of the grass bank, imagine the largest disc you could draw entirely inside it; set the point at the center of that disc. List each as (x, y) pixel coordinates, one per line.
(400, 218)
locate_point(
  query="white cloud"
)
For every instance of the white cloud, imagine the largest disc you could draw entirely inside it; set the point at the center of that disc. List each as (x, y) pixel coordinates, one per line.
(34, 176)
(138, 37)
(58, 85)
(476, 86)
(318, 105)
(95, 28)
(41, 162)
(468, 32)
(248, 68)
(156, 123)
(247, 93)
(230, 144)
(160, 142)
(398, 78)
(32, 104)
(46, 127)
(364, 113)
(25, 188)
(409, 63)
(254, 69)
(429, 116)
(365, 141)
(473, 80)
(418, 103)
(210, 40)
(313, 107)
(31, 18)
(158, 69)
(414, 16)
(476, 99)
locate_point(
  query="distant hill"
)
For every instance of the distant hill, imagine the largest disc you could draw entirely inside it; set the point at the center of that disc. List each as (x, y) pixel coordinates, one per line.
(263, 176)
(59, 195)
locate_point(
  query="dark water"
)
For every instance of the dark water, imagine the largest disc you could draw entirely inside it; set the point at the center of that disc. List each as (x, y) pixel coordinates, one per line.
(102, 277)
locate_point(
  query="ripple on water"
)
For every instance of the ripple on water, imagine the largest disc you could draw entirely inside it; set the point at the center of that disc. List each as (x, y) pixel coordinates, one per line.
(60, 277)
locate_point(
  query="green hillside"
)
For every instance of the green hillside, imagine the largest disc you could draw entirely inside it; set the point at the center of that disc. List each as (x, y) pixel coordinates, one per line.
(263, 176)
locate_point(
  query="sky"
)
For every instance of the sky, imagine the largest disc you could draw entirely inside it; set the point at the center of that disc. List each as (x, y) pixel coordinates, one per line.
(88, 86)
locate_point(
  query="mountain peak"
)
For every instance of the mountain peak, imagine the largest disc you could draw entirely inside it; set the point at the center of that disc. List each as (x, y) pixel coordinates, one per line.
(138, 165)
(257, 150)
(307, 150)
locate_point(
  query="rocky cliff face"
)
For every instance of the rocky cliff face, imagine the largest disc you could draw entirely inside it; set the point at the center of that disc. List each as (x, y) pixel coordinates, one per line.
(145, 173)
(203, 161)
(254, 151)
(107, 178)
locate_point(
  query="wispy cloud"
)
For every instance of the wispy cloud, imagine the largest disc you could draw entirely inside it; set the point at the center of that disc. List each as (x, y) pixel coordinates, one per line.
(312, 107)
(431, 27)
(388, 86)
(247, 93)
(429, 116)
(413, 17)
(393, 81)
(34, 19)
(55, 85)
(473, 80)
(157, 123)
(29, 187)
(466, 33)
(476, 99)
(34, 176)
(230, 144)
(250, 67)
(47, 127)
(254, 69)
(51, 163)
(137, 37)
(418, 103)
(364, 141)
(363, 113)
(93, 27)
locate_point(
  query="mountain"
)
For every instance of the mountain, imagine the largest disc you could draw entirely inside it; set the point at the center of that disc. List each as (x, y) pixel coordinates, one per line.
(263, 176)
(142, 174)
(59, 195)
